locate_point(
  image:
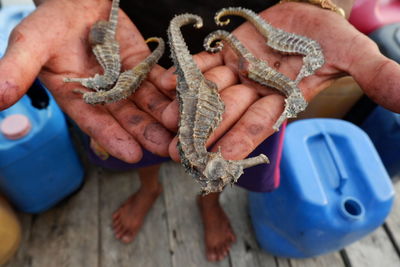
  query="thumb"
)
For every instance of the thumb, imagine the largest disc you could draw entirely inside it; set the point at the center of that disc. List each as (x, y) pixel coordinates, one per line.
(19, 67)
(378, 76)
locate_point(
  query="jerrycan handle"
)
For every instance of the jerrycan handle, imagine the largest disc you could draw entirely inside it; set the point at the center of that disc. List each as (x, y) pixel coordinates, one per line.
(337, 161)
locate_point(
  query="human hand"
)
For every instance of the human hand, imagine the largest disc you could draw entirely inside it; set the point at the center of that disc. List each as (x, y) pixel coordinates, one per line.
(53, 43)
(251, 110)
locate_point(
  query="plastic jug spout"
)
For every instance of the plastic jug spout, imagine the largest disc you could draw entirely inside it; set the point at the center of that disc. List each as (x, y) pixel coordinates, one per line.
(352, 209)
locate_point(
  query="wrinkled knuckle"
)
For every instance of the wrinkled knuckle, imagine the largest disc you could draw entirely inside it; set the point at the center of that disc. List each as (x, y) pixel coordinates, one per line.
(264, 115)
(16, 35)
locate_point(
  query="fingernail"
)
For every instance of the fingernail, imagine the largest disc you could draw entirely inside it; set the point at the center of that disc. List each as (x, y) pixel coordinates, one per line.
(8, 94)
(98, 150)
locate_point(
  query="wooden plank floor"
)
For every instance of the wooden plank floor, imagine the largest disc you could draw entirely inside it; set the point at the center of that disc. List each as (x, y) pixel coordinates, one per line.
(78, 231)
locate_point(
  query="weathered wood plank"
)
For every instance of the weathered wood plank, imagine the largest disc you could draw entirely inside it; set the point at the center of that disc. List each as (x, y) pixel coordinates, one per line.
(246, 251)
(393, 221)
(373, 250)
(150, 247)
(184, 221)
(332, 259)
(282, 262)
(67, 235)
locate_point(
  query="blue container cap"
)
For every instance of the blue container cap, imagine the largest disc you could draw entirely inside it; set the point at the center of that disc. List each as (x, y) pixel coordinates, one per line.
(15, 126)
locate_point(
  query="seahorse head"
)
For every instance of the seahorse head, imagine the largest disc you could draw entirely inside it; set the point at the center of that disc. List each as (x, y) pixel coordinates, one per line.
(220, 172)
(98, 82)
(98, 32)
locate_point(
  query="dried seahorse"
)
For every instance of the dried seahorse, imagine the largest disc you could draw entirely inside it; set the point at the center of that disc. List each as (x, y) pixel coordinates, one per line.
(201, 110)
(106, 49)
(279, 40)
(259, 71)
(129, 80)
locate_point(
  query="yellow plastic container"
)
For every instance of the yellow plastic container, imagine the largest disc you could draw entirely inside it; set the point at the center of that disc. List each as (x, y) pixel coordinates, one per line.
(10, 231)
(335, 101)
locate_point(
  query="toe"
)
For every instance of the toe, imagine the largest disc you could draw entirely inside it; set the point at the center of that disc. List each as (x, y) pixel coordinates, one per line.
(116, 214)
(212, 254)
(122, 233)
(128, 237)
(227, 247)
(118, 229)
(222, 252)
(116, 222)
(232, 237)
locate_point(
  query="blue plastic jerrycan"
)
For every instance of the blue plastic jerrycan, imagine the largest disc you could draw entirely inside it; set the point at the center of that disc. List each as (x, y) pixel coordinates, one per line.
(38, 163)
(10, 16)
(388, 39)
(334, 190)
(383, 127)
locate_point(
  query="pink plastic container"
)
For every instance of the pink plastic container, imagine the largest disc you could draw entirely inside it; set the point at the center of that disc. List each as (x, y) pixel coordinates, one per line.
(369, 15)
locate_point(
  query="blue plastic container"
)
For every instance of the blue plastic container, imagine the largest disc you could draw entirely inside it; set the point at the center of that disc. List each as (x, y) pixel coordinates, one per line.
(334, 190)
(10, 16)
(388, 39)
(42, 167)
(383, 127)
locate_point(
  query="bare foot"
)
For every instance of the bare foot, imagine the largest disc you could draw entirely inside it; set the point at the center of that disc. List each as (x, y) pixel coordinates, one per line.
(128, 219)
(218, 233)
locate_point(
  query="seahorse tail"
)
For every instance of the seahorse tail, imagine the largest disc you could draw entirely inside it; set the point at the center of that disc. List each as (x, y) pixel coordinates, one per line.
(260, 24)
(113, 18)
(153, 40)
(234, 11)
(157, 53)
(230, 11)
(218, 19)
(212, 38)
(179, 51)
(230, 39)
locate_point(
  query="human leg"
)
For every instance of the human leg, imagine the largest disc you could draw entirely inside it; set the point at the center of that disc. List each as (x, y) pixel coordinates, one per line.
(129, 217)
(218, 233)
